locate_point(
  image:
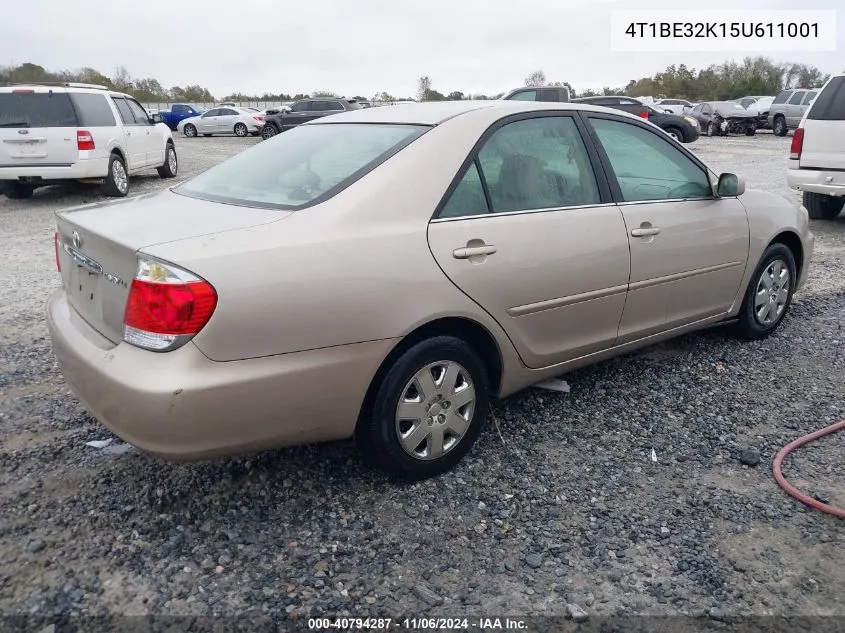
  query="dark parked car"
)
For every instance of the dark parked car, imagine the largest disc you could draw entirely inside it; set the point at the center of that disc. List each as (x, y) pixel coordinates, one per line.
(558, 94)
(720, 118)
(682, 128)
(304, 111)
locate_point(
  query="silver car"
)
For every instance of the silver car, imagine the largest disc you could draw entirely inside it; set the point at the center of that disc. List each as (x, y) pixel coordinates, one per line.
(225, 120)
(788, 109)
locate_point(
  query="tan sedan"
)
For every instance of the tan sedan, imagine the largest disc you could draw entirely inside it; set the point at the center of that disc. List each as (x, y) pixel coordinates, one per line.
(383, 273)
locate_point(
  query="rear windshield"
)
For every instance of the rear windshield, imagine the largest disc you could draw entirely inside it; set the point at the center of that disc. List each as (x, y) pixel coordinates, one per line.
(301, 167)
(36, 109)
(830, 104)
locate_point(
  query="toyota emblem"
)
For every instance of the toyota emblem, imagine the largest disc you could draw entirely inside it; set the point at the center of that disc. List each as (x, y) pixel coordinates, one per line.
(76, 240)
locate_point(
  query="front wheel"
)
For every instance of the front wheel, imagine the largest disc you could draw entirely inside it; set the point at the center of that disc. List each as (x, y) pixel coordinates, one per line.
(171, 163)
(675, 133)
(750, 131)
(190, 130)
(822, 207)
(241, 130)
(712, 129)
(428, 410)
(769, 293)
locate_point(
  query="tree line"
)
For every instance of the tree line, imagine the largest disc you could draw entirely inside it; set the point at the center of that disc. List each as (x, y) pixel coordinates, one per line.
(728, 80)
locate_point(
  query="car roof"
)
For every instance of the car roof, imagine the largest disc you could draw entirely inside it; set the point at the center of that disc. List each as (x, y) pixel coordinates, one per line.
(436, 112)
(42, 88)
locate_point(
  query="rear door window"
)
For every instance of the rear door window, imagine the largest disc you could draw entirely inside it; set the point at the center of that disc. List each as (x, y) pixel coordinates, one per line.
(830, 104)
(525, 95)
(123, 109)
(27, 108)
(93, 109)
(810, 96)
(783, 96)
(796, 97)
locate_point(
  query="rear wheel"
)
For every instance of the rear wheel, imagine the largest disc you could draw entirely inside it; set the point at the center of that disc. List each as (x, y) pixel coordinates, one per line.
(17, 190)
(190, 130)
(171, 162)
(116, 184)
(779, 126)
(769, 293)
(428, 410)
(269, 130)
(241, 130)
(822, 207)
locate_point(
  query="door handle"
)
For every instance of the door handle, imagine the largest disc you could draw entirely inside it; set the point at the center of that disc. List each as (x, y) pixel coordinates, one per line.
(645, 231)
(473, 251)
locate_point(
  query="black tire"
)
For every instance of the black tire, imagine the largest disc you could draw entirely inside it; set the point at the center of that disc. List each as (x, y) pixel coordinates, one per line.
(17, 190)
(779, 126)
(269, 130)
(241, 130)
(116, 185)
(712, 129)
(190, 130)
(378, 430)
(822, 207)
(749, 324)
(675, 133)
(170, 167)
(750, 131)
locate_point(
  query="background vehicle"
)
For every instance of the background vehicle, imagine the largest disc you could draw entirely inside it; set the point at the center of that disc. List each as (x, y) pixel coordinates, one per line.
(493, 245)
(720, 118)
(237, 121)
(817, 155)
(675, 106)
(69, 132)
(304, 111)
(539, 93)
(788, 109)
(683, 129)
(760, 109)
(179, 112)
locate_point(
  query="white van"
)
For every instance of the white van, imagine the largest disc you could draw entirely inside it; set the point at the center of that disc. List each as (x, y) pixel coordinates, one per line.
(817, 155)
(67, 132)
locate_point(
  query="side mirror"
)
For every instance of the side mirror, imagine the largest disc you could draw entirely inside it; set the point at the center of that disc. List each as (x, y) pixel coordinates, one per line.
(730, 186)
(156, 118)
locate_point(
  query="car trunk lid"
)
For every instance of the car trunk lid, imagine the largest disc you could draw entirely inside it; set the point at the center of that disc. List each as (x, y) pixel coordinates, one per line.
(97, 245)
(38, 128)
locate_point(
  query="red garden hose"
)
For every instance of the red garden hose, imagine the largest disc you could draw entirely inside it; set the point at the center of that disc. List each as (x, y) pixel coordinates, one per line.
(792, 490)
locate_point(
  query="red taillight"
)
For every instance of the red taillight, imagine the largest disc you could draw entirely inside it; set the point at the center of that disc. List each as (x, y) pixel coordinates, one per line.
(84, 140)
(258, 117)
(166, 306)
(644, 114)
(797, 144)
(56, 239)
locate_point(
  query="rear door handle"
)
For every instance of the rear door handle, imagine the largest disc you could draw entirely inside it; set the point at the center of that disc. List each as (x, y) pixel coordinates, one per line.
(473, 251)
(645, 232)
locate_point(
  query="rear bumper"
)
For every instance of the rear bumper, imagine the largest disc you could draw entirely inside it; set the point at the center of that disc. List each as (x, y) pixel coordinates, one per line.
(828, 182)
(81, 169)
(181, 405)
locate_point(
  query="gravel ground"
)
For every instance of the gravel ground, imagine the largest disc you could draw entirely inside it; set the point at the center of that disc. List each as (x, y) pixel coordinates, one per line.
(559, 503)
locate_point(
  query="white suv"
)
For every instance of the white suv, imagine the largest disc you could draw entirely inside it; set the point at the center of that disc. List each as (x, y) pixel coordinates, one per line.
(57, 133)
(817, 156)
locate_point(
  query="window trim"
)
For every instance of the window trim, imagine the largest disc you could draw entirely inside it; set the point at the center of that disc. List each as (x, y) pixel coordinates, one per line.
(616, 190)
(147, 121)
(116, 99)
(605, 194)
(803, 94)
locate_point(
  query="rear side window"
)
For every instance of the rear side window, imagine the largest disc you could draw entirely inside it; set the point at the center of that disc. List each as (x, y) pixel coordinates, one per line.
(796, 98)
(93, 109)
(830, 104)
(783, 96)
(525, 95)
(810, 96)
(36, 109)
(302, 167)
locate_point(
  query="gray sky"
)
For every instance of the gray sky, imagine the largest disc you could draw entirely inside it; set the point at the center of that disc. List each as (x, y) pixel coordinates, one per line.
(357, 46)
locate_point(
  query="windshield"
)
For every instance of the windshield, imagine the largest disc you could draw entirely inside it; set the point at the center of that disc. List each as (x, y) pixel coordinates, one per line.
(302, 167)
